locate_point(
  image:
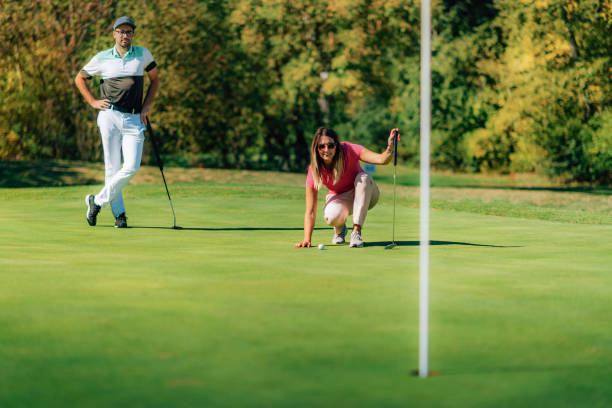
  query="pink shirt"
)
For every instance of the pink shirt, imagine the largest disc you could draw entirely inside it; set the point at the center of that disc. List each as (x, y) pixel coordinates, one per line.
(351, 169)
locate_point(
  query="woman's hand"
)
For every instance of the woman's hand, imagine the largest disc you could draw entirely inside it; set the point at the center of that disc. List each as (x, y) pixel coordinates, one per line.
(369, 156)
(390, 140)
(309, 217)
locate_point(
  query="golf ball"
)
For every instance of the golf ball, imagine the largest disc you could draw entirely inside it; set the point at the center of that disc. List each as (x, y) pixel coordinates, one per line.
(321, 246)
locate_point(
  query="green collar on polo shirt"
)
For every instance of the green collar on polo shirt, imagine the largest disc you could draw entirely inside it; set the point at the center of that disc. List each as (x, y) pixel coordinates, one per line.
(117, 55)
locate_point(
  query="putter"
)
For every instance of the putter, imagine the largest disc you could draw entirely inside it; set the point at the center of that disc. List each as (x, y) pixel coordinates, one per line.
(395, 135)
(161, 169)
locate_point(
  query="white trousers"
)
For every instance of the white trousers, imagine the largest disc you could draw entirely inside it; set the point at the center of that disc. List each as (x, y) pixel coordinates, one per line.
(356, 201)
(122, 134)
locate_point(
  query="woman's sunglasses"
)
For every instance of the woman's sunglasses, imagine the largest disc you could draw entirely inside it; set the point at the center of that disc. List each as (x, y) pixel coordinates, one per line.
(329, 146)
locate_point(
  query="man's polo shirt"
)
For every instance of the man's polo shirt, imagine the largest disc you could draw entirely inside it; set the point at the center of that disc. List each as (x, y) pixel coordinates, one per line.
(122, 78)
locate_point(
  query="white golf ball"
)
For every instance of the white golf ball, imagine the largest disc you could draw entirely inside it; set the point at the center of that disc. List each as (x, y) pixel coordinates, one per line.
(321, 246)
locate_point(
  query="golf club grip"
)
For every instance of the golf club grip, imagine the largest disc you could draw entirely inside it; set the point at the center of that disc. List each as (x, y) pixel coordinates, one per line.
(160, 163)
(395, 136)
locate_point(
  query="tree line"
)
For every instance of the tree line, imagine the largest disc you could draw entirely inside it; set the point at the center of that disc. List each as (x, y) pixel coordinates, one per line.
(517, 85)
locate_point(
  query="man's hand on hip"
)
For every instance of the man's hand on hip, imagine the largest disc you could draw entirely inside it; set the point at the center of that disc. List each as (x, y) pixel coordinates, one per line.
(100, 104)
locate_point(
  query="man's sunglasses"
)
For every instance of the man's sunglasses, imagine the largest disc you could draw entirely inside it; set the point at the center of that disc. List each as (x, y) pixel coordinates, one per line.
(329, 146)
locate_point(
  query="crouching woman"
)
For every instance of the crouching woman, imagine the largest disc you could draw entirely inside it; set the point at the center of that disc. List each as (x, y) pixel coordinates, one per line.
(335, 165)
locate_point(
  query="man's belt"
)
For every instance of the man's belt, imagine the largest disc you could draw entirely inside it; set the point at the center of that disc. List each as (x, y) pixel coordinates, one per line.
(123, 110)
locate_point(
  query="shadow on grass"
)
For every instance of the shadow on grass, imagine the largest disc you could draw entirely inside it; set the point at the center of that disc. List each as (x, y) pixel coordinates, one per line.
(223, 228)
(366, 244)
(523, 369)
(587, 190)
(40, 174)
(433, 243)
(413, 181)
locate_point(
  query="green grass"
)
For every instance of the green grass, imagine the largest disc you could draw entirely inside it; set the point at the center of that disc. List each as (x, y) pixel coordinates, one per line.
(225, 313)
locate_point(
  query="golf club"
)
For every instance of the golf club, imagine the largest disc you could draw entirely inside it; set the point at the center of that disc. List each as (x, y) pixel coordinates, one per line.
(161, 169)
(395, 136)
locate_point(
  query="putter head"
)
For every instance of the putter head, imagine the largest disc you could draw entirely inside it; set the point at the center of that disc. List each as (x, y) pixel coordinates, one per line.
(391, 245)
(177, 227)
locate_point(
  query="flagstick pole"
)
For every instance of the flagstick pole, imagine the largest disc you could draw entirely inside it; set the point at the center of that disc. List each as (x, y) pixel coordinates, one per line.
(424, 182)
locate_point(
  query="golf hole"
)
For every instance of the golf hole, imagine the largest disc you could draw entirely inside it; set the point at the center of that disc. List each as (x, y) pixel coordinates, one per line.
(431, 373)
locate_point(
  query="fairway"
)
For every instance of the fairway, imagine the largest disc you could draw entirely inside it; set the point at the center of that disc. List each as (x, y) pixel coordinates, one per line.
(226, 313)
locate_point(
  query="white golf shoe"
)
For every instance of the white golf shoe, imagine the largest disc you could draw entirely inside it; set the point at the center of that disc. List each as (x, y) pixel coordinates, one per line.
(339, 238)
(356, 240)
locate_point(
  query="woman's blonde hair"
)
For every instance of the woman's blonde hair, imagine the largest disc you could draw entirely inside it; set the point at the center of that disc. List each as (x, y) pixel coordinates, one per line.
(316, 162)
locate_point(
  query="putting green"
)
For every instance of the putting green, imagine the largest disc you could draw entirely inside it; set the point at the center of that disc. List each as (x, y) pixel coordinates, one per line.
(225, 313)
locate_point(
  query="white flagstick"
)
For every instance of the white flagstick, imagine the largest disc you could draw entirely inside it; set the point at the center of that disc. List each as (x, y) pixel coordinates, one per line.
(425, 137)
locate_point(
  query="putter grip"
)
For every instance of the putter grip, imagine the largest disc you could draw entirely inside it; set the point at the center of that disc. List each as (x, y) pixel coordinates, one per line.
(395, 134)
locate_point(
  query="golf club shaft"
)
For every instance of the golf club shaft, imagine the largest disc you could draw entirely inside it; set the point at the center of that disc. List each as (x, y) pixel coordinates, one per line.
(169, 199)
(160, 163)
(393, 236)
(395, 137)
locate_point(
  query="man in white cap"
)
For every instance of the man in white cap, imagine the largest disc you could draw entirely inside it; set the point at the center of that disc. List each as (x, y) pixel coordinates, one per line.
(122, 116)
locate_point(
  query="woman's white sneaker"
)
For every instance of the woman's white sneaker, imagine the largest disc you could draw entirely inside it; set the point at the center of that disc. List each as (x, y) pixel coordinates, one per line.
(339, 238)
(356, 241)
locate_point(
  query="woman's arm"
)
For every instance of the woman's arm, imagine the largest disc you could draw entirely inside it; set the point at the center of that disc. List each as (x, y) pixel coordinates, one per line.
(309, 217)
(369, 156)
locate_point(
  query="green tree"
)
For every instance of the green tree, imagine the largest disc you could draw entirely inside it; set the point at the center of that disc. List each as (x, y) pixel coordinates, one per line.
(547, 86)
(40, 49)
(517, 85)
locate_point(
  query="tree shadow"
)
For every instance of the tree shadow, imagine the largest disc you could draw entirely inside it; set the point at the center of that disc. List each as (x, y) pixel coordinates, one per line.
(40, 174)
(413, 181)
(585, 189)
(434, 243)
